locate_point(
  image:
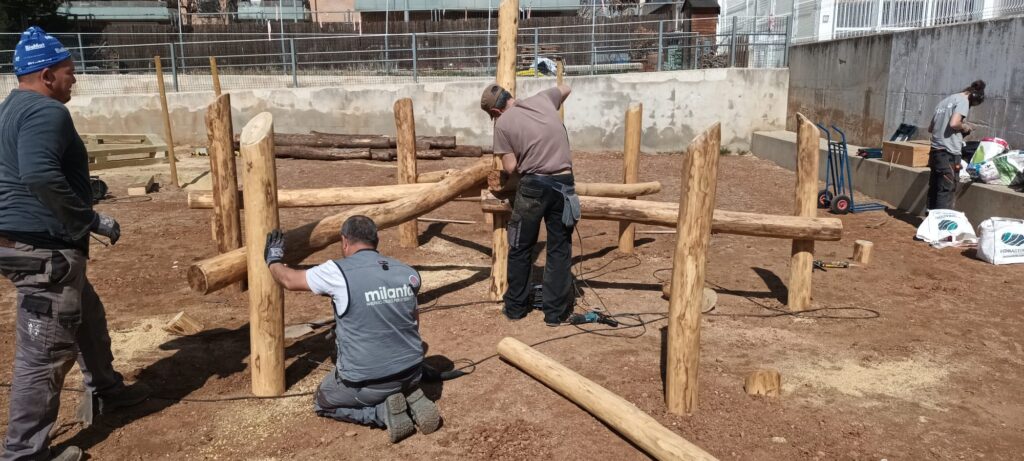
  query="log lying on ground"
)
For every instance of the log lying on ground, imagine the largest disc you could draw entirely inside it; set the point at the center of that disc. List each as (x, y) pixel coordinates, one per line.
(292, 198)
(321, 153)
(318, 139)
(628, 420)
(724, 222)
(435, 176)
(391, 155)
(219, 271)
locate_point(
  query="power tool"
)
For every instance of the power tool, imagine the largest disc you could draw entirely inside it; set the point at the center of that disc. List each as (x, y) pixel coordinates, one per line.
(825, 265)
(592, 317)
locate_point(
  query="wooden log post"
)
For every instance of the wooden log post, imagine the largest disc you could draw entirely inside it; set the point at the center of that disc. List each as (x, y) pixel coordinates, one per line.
(215, 75)
(560, 65)
(227, 224)
(639, 427)
(266, 297)
(630, 170)
(862, 252)
(214, 273)
(405, 129)
(171, 160)
(508, 29)
(696, 208)
(801, 264)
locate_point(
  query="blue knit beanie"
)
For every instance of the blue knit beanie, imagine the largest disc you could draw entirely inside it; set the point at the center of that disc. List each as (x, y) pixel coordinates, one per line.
(36, 51)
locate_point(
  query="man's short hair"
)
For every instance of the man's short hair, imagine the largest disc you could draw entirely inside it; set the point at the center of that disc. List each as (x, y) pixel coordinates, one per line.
(360, 228)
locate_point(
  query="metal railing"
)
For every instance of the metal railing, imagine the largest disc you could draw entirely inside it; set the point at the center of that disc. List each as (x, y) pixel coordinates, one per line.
(329, 60)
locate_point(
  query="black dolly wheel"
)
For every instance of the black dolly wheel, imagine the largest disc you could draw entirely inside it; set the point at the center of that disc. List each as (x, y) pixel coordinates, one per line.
(824, 198)
(840, 205)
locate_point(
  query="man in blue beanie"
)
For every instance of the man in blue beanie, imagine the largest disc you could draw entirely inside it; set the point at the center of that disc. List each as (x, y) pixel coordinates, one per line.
(46, 217)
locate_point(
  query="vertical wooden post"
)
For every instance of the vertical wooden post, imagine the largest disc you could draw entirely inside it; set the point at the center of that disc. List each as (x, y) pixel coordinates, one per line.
(560, 64)
(508, 28)
(224, 177)
(167, 121)
(630, 170)
(801, 263)
(215, 75)
(405, 126)
(696, 205)
(266, 298)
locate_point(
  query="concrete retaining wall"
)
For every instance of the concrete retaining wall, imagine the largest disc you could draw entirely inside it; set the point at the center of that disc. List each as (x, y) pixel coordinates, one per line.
(904, 187)
(677, 105)
(869, 85)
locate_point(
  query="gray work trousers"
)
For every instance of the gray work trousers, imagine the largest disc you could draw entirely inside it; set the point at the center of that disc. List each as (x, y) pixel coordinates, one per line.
(360, 405)
(60, 319)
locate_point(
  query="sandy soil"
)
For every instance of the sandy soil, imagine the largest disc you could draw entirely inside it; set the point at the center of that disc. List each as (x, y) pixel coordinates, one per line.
(917, 356)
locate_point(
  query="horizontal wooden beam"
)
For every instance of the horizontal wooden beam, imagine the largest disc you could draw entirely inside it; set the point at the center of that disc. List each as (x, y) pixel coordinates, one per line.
(724, 222)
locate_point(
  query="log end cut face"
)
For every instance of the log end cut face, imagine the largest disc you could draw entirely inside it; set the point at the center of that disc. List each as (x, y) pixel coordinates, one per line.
(257, 129)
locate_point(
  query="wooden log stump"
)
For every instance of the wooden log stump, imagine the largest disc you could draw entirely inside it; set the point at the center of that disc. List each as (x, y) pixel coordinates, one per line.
(639, 427)
(767, 383)
(862, 252)
(630, 170)
(405, 127)
(801, 265)
(224, 178)
(266, 297)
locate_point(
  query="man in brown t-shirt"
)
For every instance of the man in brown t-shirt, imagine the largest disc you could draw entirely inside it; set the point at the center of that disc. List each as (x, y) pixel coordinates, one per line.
(532, 141)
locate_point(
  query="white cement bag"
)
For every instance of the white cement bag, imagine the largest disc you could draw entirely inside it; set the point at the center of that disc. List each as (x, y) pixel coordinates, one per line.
(1002, 241)
(946, 226)
(989, 148)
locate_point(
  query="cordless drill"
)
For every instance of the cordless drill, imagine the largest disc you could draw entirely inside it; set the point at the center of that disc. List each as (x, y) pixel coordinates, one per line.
(592, 317)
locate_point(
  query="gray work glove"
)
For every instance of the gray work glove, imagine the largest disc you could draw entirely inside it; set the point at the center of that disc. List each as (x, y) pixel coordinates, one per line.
(273, 252)
(107, 227)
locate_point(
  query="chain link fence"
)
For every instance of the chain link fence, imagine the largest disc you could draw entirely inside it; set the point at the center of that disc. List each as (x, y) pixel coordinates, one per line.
(281, 60)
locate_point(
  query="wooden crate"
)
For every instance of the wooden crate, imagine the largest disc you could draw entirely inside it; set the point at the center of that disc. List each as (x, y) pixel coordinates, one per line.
(118, 150)
(907, 153)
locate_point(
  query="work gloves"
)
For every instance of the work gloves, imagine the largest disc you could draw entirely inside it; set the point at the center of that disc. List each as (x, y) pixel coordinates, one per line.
(107, 227)
(273, 252)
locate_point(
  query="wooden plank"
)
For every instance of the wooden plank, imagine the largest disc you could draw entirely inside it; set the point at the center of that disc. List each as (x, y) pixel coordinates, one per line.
(124, 163)
(142, 188)
(140, 149)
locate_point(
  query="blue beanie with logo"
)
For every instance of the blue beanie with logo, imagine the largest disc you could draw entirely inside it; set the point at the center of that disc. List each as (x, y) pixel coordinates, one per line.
(36, 51)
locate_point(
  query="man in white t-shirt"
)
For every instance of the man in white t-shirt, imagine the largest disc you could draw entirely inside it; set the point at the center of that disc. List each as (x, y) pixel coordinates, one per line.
(380, 354)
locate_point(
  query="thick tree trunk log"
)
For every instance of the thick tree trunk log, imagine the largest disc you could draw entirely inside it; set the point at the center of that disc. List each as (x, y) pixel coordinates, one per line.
(801, 264)
(391, 155)
(637, 426)
(217, 272)
(266, 297)
(405, 128)
(696, 208)
(224, 176)
(357, 141)
(435, 176)
(321, 153)
(723, 222)
(630, 169)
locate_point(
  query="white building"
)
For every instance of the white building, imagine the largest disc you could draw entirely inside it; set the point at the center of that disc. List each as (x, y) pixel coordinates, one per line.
(815, 20)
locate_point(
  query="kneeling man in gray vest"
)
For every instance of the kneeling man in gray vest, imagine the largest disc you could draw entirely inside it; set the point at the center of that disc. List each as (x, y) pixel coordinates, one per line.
(376, 378)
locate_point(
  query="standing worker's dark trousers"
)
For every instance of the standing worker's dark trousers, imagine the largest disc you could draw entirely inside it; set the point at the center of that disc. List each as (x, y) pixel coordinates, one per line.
(59, 319)
(535, 200)
(945, 171)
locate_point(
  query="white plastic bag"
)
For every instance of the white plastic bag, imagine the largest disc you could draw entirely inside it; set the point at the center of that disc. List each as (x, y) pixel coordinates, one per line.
(946, 227)
(1002, 169)
(1001, 241)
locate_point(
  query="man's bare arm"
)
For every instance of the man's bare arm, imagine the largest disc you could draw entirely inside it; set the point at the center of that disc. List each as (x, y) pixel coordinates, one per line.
(565, 89)
(509, 163)
(290, 279)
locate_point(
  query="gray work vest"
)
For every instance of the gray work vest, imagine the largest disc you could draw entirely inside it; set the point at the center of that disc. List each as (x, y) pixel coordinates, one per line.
(378, 335)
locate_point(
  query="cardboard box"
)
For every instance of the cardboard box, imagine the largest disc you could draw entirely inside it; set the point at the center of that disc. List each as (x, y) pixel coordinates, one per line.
(907, 153)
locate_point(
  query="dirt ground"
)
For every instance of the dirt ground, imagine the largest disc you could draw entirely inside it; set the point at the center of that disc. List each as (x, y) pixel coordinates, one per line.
(916, 357)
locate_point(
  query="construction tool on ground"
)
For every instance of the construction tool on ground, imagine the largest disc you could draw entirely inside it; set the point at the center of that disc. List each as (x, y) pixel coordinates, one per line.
(838, 178)
(825, 265)
(592, 317)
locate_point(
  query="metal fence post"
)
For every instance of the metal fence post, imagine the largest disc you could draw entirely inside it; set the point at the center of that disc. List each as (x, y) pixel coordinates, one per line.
(174, 67)
(785, 48)
(81, 51)
(415, 76)
(661, 43)
(295, 74)
(387, 52)
(732, 44)
(593, 31)
(536, 51)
